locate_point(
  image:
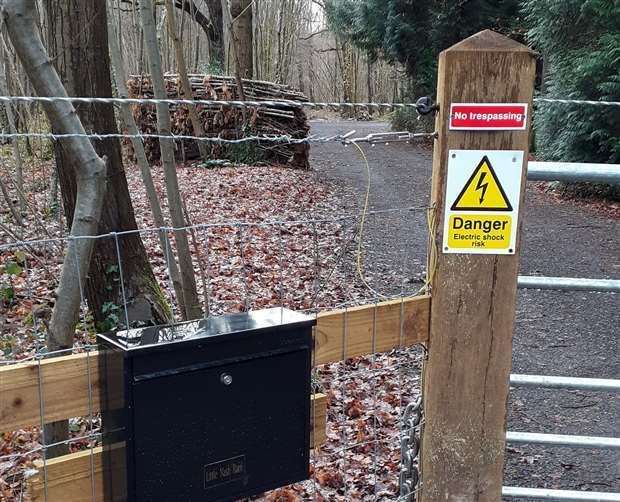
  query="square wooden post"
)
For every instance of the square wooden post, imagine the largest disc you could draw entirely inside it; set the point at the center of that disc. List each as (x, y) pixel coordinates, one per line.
(473, 295)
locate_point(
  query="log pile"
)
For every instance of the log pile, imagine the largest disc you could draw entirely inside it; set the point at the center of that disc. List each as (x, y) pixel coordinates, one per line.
(227, 122)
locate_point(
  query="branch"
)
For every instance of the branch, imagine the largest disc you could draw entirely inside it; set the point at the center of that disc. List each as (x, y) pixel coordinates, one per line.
(189, 7)
(313, 34)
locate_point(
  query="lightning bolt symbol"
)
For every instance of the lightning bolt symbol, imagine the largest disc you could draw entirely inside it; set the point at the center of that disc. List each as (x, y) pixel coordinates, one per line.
(482, 186)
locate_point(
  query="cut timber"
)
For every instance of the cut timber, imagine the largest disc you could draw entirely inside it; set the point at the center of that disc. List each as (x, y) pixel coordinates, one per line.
(285, 118)
(77, 477)
(68, 477)
(318, 418)
(357, 331)
(396, 323)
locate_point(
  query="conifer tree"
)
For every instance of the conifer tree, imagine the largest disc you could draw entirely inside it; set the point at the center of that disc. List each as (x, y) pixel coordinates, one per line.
(413, 32)
(580, 45)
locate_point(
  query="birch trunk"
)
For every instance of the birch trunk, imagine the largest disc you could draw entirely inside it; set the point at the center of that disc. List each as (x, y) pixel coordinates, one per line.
(188, 280)
(90, 174)
(143, 163)
(185, 85)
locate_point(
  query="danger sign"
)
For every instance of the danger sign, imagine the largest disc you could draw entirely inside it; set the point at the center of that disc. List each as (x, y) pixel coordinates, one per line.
(482, 201)
(488, 116)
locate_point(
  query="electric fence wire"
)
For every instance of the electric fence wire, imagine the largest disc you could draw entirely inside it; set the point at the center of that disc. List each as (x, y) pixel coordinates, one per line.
(267, 103)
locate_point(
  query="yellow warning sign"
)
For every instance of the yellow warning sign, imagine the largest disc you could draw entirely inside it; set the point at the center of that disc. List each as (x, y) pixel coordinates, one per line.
(483, 191)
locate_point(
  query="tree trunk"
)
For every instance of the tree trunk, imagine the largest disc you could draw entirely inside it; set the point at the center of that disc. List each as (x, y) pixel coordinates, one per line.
(369, 80)
(89, 173)
(77, 30)
(19, 172)
(188, 280)
(215, 34)
(241, 12)
(184, 79)
(143, 163)
(232, 46)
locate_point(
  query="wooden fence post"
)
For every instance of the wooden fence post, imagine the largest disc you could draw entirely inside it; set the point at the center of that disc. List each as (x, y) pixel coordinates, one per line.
(466, 378)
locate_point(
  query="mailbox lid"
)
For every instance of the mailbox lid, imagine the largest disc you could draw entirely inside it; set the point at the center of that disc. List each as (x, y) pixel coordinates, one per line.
(199, 435)
(208, 330)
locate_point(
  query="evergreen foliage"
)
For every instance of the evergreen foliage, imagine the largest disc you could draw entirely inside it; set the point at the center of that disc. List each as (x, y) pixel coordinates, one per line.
(413, 32)
(580, 44)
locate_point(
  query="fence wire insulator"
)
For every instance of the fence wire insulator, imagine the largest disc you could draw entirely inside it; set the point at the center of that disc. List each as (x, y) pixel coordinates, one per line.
(409, 450)
(425, 105)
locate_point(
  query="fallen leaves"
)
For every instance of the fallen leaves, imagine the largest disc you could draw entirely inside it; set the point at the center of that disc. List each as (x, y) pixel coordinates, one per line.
(329, 478)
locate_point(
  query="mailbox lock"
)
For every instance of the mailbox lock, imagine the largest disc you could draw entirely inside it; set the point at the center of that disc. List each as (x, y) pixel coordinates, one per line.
(226, 378)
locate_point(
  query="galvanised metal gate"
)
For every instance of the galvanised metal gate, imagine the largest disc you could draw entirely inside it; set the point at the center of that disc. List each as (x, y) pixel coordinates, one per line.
(567, 172)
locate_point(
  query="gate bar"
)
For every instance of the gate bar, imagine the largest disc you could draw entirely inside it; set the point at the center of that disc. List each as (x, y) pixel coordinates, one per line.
(568, 283)
(573, 172)
(560, 382)
(546, 494)
(596, 442)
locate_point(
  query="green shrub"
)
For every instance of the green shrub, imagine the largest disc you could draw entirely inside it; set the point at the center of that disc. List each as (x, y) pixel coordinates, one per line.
(407, 119)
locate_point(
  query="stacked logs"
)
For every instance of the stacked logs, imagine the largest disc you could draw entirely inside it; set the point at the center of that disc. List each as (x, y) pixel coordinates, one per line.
(227, 122)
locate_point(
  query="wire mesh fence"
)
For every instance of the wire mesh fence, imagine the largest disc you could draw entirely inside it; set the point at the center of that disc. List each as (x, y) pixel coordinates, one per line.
(242, 260)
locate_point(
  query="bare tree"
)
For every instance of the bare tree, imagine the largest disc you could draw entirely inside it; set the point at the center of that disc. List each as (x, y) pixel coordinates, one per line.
(89, 172)
(241, 35)
(78, 40)
(188, 280)
(210, 22)
(231, 50)
(143, 164)
(183, 77)
(19, 172)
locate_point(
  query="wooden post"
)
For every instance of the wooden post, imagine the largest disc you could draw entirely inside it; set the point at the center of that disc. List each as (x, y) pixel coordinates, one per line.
(466, 378)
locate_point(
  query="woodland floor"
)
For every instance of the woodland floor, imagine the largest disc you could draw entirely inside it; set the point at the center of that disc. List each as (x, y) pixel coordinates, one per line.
(312, 265)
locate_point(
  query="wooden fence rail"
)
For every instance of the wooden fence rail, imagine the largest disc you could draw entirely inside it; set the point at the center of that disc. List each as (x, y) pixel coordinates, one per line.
(68, 386)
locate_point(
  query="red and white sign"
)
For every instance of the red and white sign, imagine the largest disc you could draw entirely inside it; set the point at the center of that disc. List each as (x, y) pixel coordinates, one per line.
(488, 116)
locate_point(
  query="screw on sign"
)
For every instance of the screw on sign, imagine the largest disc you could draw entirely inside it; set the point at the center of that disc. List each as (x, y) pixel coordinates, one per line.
(482, 201)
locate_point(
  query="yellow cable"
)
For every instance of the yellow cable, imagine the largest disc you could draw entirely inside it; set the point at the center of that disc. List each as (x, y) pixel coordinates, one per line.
(431, 221)
(431, 265)
(360, 265)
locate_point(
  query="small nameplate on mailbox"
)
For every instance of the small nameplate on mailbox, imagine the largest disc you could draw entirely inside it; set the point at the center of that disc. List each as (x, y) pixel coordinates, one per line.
(224, 471)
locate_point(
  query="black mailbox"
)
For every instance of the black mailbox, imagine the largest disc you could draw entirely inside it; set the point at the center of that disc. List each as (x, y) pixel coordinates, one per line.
(207, 410)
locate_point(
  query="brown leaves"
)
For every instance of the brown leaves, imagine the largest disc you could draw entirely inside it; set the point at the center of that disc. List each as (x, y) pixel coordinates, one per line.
(329, 478)
(354, 409)
(295, 264)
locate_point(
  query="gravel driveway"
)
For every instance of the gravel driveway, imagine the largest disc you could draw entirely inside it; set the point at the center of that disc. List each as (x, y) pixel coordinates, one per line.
(557, 333)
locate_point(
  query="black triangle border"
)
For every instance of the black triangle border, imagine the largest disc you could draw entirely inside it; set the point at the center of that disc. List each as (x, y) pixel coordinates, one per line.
(471, 179)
